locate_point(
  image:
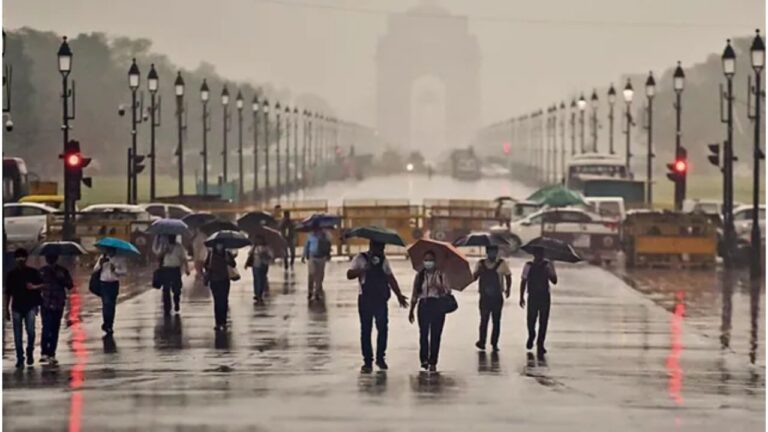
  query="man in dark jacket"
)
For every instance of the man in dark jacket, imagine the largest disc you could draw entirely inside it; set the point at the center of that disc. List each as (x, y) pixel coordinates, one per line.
(56, 282)
(536, 277)
(22, 294)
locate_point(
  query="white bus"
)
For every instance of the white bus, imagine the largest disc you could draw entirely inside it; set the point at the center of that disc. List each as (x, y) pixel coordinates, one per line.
(594, 165)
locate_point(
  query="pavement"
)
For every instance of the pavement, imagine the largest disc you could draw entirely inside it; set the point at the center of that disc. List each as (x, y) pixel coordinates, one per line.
(618, 360)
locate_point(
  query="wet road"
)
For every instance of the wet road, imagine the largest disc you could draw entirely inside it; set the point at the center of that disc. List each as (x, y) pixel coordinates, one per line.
(617, 361)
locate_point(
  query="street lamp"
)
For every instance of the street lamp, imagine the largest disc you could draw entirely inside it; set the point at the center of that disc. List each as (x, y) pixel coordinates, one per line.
(678, 85)
(65, 67)
(278, 131)
(611, 103)
(307, 145)
(729, 70)
(562, 139)
(255, 106)
(134, 78)
(758, 62)
(225, 130)
(650, 92)
(239, 106)
(265, 109)
(595, 104)
(204, 96)
(582, 106)
(152, 85)
(628, 93)
(296, 148)
(573, 127)
(287, 183)
(178, 87)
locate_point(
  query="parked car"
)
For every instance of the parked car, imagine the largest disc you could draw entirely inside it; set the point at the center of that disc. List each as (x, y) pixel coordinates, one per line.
(26, 222)
(170, 211)
(126, 211)
(524, 230)
(742, 219)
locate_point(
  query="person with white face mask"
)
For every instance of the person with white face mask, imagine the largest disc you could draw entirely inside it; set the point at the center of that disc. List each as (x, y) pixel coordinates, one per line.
(429, 285)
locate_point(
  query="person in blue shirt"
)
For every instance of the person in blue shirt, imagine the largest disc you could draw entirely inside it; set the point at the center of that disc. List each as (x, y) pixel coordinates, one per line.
(317, 251)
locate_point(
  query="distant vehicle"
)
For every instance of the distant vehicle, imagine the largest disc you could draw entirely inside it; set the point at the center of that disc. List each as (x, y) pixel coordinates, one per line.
(609, 207)
(742, 219)
(170, 211)
(630, 190)
(524, 230)
(465, 165)
(54, 201)
(15, 179)
(119, 211)
(26, 222)
(594, 165)
(709, 207)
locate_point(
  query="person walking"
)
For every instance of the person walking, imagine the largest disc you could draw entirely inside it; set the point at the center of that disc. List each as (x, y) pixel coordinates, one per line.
(536, 277)
(217, 274)
(429, 286)
(56, 283)
(199, 252)
(22, 299)
(288, 230)
(111, 268)
(373, 272)
(494, 275)
(317, 251)
(259, 258)
(172, 259)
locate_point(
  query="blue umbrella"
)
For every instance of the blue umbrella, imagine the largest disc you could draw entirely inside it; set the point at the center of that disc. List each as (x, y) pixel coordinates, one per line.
(59, 248)
(321, 220)
(230, 239)
(121, 246)
(168, 227)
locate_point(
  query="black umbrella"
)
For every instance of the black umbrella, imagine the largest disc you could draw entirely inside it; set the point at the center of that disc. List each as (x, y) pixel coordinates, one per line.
(251, 221)
(218, 225)
(196, 220)
(481, 238)
(60, 248)
(230, 239)
(377, 234)
(554, 249)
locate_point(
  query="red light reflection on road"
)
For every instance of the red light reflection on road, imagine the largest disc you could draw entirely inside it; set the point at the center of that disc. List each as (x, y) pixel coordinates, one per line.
(76, 373)
(675, 372)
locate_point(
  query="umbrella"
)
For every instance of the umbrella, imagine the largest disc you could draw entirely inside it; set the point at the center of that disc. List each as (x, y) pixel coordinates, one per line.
(121, 246)
(218, 225)
(61, 248)
(557, 196)
(323, 220)
(448, 260)
(274, 240)
(196, 220)
(554, 249)
(230, 239)
(481, 238)
(168, 227)
(252, 220)
(377, 234)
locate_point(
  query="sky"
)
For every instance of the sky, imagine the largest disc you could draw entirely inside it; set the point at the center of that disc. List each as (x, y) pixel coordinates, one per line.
(533, 53)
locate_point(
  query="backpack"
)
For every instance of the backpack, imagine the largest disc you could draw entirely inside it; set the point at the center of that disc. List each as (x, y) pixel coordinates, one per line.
(323, 247)
(490, 284)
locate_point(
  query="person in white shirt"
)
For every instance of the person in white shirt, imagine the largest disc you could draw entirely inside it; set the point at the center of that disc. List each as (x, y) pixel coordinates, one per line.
(171, 259)
(199, 252)
(110, 267)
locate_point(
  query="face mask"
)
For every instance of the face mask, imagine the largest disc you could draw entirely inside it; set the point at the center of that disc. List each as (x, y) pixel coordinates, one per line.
(492, 256)
(375, 260)
(429, 265)
(21, 261)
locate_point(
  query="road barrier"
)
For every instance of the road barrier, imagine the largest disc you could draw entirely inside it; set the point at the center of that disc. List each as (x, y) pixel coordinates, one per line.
(669, 239)
(447, 220)
(397, 215)
(90, 227)
(595, 242)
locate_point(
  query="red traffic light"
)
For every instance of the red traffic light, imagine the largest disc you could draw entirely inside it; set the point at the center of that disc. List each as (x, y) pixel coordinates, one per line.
(681, 166)
(507, 148)
(74, 160)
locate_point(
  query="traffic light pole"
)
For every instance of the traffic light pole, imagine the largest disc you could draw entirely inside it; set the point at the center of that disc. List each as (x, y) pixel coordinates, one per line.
(69, 200)
(728, 227)
(756, 255)
(681, 180)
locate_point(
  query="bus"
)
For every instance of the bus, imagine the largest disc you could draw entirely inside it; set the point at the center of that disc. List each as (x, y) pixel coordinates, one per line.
(590, 166)
(15, 179)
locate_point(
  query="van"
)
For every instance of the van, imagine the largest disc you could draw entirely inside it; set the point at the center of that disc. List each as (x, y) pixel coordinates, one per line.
(611, 207)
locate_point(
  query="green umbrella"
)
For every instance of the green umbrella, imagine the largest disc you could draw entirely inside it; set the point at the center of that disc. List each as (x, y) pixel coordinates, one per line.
(557, 196)
(377, 234)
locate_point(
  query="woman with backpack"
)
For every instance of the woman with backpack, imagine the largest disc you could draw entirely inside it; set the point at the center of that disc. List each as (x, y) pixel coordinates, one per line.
(429, 287)
(493, 274)
(217, 276)
(259, 258)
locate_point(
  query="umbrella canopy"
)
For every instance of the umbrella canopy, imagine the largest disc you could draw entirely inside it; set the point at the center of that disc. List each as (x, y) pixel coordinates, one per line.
(230, 239)
(61, 248)
(274, 240)
(168, 227)
(481, 238)
(448, 259)
(377, 234)
(323, 220)
(196, 220)
(554, 249)
(557, 196)
(218, 225)
(121, 246)
(253, 220)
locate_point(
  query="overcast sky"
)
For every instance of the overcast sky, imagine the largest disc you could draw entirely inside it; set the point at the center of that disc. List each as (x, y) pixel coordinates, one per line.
(534, 52)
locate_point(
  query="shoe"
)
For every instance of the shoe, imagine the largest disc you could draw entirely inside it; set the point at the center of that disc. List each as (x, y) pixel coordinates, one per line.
(529, 344)
(52, 361)
(176, 308)
(495, 348)
(541, 350)
(433, 368)
(43, 359)
(480, 346)
(366, 368)
(381, 364)
(20, 363)
(425, 365)
(30, 360)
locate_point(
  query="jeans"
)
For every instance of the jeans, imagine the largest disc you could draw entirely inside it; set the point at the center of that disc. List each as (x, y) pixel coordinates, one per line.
(51, 326)
(538, 307)
(490, 309)
(220, 292)
(259, 280)
(109, 291)
(431, 320)
(370, 311)
(171, 277)
(28, 319)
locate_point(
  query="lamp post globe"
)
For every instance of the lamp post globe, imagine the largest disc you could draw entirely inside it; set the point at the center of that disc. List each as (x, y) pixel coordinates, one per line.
(204, 91)
(239, 100)
(729, 60)
(582, 103)
(678, 78)
(152, 79)
(225, 96)
(178, 85)
(133, 76)
(255, 105)
(650, 85)
(758, 51)
(611, 95)
(594, 100)
(64, 55)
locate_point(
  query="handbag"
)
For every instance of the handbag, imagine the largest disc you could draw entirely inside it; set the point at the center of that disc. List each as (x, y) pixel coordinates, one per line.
(94, 284)
(234, 275)
(157, 275)
(448, 303)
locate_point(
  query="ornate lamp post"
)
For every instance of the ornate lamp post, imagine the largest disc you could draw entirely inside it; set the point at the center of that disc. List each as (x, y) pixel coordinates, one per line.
(594, 104)
(758, 62)
(255, 106)
(204, 96)
(650, 92)
(582, 106)
(729, 70)
(628, 93)
(133, 83)
(611, 103)
(241, 177)
(265, 109)
(180, 117)
(225, 129)
(65, 67)
(153, 85)
(678, 85)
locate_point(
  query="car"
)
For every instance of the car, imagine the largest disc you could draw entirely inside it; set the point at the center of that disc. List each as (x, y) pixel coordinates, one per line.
(170, 211)
(524, 230)
(742, 219)
(609, 207)
(119, 211)
(26, 222)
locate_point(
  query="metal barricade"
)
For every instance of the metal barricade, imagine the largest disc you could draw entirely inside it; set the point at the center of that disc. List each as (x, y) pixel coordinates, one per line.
(447, 220)
(90, 227)
(397, 215)
(670, 239)
(595, 242)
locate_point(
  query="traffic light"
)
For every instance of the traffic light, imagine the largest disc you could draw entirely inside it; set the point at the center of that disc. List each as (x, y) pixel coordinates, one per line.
(507, 148)
(679, 168)
(74, 162)
(714, 157)
(138, 165)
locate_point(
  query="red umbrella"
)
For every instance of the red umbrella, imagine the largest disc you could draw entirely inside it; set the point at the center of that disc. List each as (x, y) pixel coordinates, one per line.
(448, 259)
(273, 239)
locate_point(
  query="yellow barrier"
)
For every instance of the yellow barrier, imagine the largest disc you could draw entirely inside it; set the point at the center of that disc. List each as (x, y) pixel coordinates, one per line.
(397, 215)
(447, 220)
(89, 228)
(665, 238)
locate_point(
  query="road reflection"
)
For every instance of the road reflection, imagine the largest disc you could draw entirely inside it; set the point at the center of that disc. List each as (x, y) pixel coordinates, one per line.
(674, 370)
(728, 283)
(754, 316)
(77, 345)
(168, 333)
